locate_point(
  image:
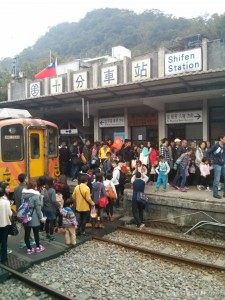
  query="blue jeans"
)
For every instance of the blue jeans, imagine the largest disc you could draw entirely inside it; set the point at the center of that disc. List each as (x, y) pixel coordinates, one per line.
(180, 173)
(161, 179)
(218, 171)
(74, 171)
(137, 211)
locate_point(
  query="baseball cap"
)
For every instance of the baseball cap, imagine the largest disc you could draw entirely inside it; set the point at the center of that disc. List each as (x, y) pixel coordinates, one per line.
(177, 140)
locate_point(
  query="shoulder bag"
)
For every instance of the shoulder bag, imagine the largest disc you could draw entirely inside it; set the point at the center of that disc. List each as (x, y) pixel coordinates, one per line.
(143, 199)
(12, 229)
(102, 200)
(110, 192)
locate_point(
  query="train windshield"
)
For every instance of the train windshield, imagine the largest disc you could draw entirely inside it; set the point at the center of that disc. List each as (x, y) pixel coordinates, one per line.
(12, 142)
(52, 141)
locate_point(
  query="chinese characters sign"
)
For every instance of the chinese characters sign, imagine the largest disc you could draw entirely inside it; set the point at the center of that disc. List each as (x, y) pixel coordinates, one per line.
(56, 85)
(141, 69)
(35, 89)
(111, 122)
(194, 116)
(80, 81)
(143, 119)
(109, 75)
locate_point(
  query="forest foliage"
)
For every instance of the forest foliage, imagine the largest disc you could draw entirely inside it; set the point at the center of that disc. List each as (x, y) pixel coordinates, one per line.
(102, 29)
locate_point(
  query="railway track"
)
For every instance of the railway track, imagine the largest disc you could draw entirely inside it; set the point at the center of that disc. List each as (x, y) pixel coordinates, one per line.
(198, 254)
(36, 285)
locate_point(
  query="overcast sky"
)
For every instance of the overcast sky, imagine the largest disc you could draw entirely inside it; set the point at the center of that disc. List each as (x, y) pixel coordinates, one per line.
(22, 22)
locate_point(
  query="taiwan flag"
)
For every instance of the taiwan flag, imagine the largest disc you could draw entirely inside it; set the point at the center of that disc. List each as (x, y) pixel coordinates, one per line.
(49, 71)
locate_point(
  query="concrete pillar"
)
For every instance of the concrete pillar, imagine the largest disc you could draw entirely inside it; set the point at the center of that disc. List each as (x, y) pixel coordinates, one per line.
(46, 84)
(126, 127)
(161, 62)
(9, 91)
(126, 61)
(27, 88)
(97, 130)
(205, 120)
(95, 75)
(162, 125)
(204, 54)
(69, 81)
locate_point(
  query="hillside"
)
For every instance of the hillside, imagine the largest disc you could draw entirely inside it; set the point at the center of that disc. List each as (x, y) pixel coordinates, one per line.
(102, 29)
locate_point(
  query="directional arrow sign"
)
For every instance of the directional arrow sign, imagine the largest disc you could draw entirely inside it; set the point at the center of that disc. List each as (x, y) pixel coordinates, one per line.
(189, 116)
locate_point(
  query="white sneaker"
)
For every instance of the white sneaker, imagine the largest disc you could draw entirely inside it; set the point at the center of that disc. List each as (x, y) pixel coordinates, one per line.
(142, 226)
(199, 187)
(208, 189)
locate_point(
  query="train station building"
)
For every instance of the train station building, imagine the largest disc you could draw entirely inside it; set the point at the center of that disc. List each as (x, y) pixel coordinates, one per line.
(175, 93)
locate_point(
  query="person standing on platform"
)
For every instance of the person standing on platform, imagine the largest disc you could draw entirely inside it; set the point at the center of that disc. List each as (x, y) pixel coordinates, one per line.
(69, 222)
(5, 214)
(163, 170)
(75, 153)
(64, 159)
(217, 154)
(82, 197)
(22, 178)
(34, 197)
(181, 164)
(138, 207)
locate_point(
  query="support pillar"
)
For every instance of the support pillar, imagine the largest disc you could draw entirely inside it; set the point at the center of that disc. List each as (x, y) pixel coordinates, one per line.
(205, 120)
(97, 130)
(126, 127)
(162, 125)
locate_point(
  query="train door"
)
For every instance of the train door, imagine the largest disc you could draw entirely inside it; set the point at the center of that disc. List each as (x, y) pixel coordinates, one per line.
(36, 153)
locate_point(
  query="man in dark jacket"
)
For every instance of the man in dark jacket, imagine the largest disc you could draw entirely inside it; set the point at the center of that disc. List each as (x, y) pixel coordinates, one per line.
(137, 207)
(75, 152)
(216, 153)
(18, 189)
(64, 159)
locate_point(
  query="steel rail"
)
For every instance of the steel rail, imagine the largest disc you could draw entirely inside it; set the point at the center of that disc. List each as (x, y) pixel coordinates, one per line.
(36, 284)
(161, 255)
(203, 245)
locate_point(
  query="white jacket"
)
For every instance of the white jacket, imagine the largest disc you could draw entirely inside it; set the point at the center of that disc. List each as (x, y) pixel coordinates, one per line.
(204, 169)
(5, 212)
(116, 175)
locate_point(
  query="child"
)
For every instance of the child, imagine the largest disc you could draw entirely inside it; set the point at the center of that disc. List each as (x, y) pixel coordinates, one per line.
(162, 170)
(153, 174)
(205, 174)
(69, 222)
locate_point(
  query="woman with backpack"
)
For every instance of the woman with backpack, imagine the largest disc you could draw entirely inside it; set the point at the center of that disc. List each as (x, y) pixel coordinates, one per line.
(32, 196)
(50, 207)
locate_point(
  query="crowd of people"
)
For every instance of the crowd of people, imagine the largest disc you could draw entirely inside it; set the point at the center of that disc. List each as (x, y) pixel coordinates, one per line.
(100, 172)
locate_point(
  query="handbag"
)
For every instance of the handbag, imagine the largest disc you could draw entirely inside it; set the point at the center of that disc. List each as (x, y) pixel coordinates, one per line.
(144, 200)
(110, 192)
(102, 201)
(93, 212)
(12, 229)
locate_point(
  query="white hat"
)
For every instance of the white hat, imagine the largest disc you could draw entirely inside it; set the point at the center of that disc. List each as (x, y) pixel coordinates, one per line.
(177, 140)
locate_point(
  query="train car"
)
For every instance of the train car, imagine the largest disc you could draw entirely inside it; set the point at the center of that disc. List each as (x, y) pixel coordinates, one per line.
(27, 145)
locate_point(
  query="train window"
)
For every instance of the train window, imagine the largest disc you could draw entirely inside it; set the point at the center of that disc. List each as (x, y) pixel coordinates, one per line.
(12, 142)
(52, 141)
(35, 145)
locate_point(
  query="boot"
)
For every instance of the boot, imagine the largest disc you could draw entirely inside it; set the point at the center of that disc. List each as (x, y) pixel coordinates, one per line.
(101, 226)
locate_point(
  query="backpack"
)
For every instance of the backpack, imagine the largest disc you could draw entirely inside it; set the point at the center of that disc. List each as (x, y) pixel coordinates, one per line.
(122, 178)
(24, 213)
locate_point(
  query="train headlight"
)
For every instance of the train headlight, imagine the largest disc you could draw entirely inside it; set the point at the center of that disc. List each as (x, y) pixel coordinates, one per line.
(12, 130)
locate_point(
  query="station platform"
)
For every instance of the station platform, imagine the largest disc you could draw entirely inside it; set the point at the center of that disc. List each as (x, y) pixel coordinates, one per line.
(20, 261)
(181, 208)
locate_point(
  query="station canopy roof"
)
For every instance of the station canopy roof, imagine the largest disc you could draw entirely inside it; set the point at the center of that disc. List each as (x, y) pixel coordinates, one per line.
(183, 87)
(10, 113)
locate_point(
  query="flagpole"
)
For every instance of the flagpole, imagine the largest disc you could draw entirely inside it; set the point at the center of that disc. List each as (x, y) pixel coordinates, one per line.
(50, 55)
